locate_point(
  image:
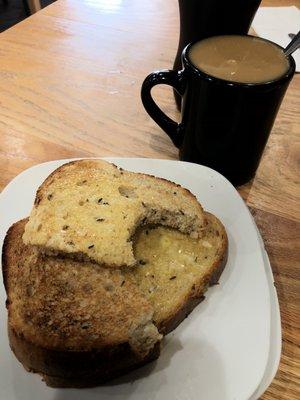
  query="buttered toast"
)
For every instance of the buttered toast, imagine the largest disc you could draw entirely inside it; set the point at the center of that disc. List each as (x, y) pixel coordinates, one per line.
(75, 323)
(175, 270)
(79, 324)
(90, 210)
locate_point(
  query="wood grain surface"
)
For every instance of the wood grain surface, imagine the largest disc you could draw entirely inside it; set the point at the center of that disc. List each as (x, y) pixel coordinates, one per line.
(70, 79)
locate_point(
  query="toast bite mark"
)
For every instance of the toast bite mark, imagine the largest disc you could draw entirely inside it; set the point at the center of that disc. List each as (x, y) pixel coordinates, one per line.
(175, 271)
(90, 210)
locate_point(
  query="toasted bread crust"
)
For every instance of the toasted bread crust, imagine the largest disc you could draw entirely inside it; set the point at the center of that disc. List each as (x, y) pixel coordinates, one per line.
(60, 170)
(77, 368)
(4, 260)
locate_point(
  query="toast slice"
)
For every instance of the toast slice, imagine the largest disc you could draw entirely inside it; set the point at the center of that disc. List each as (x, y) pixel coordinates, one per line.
(71, 321)
(79, 324)
(86, 208)
(175, 270)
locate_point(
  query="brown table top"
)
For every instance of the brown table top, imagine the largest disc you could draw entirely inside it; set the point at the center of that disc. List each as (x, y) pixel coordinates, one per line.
(70, 79)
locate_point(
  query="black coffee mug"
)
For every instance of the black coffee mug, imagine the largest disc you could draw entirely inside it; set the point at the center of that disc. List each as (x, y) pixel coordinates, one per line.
(224, 125)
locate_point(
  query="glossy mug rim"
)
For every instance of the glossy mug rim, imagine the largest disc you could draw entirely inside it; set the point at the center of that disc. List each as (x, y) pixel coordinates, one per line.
(286, 76)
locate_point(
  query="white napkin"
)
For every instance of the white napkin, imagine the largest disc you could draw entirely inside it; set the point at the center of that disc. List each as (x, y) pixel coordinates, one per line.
(275, 23)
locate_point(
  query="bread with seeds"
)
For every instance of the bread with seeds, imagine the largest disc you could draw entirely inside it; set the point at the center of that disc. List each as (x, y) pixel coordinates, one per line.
(90, 210)
(77, 324)
(175, 271)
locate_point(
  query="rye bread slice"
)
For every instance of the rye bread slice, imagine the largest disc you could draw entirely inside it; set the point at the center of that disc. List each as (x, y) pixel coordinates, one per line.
(90, 210)
(69, 310)
(56, 329)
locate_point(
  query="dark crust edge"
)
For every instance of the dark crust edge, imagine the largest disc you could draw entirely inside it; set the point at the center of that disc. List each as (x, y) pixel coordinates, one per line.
(4, 256)
(196, 296)
(77, 368)
(48, 180)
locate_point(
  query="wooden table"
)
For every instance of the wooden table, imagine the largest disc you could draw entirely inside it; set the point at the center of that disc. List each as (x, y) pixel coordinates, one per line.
(70, 79)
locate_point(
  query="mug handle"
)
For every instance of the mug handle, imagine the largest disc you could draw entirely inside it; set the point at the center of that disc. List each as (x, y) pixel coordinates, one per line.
(177, 81)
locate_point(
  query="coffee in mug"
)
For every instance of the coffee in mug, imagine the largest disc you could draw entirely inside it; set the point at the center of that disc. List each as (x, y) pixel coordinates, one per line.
(200, 19)
(236, 58)
(231, 88)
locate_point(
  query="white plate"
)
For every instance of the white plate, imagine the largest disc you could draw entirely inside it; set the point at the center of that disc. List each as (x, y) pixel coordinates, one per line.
(275, 332)
(222, 351)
